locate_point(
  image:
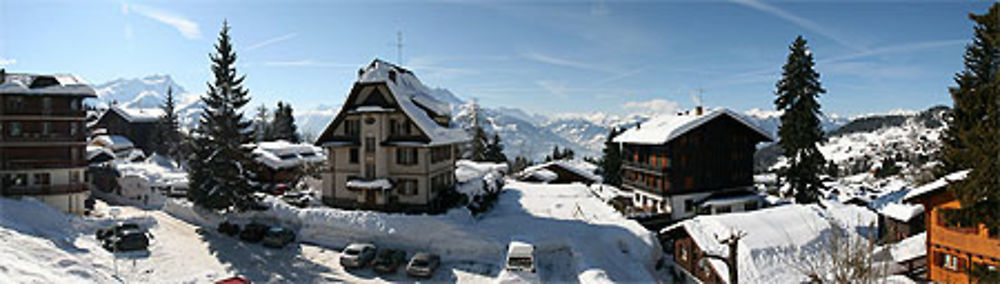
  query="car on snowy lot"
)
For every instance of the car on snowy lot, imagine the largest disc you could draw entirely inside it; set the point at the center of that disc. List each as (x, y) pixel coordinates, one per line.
(277, 189)
(115, 230)
(229, 228)
(297, 199)
(253, 232)
(234, 280)
(423, 265)
(388, 260)
(357, 255)
(278, 237)
(128, 240)
(520, 257)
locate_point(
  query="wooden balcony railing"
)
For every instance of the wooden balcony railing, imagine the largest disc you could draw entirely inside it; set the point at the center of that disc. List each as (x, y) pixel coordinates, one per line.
(645, 168)
(8, 190)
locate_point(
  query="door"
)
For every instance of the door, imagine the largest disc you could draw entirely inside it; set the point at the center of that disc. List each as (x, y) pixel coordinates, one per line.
(369, 196)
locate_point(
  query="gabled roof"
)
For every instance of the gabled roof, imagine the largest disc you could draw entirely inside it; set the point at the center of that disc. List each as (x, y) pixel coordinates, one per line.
(413, 99)
(136, 115)
(583, 169)
(35, 84)
(283, 154)
(664, 128)
(934, 186)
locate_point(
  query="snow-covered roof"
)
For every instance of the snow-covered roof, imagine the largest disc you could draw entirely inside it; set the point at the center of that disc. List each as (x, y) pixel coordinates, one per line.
(902, 212)
(113, 142)
(731, 199)
(767, 253)
(137, 115)
(411, 95)
(910, 248)
(154, 170)
(94, 151)
(662, 129)
(581, 168)
(65, 84)
(283, 154)
(370, 184)
(936, 185)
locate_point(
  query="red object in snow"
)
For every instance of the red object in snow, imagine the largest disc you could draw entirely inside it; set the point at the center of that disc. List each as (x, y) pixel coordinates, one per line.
(234, 280)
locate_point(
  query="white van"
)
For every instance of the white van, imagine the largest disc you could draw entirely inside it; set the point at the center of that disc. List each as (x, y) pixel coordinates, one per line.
(520, 257)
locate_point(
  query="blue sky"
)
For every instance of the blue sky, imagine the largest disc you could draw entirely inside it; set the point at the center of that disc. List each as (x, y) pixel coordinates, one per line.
(543, 56)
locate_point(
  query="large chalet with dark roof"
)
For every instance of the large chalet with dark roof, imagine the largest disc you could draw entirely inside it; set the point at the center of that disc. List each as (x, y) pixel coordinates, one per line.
(674, 163)
(390, 148)
(136, 124)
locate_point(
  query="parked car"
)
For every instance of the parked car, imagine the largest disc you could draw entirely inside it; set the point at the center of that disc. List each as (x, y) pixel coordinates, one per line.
(388, 260)
(297, 199)
(520, 257)
(253, 232)
(234, 280)
(128, 240)
(229, 228)
(357, 255)
(276, 189)
(278, 237)
(423, 265)
(115, 230)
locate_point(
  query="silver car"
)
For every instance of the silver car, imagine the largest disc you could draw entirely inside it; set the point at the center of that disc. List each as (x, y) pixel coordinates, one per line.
(357, 255)
(423, 265)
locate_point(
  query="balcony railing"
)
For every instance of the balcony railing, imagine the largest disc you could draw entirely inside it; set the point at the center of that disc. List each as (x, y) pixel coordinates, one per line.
(645, 168)
(40, 112)
(8, 190)
(641, 186)
(42, 163)
(38, 137)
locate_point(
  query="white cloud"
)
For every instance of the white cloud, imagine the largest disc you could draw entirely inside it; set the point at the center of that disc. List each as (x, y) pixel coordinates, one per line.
(7, 61)
(271, 41)
(654, 106)
(799, 21)
(188, 28)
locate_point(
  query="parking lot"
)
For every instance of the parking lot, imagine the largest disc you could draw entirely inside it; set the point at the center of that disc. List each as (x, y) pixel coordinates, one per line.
(182, 252)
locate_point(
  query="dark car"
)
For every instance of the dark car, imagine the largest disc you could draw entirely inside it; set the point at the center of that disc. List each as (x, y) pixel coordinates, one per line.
(229, 228)
(253, 232)
(388, 260)
(115, 230)
(128, 240)
(278, 237)
(423, 265)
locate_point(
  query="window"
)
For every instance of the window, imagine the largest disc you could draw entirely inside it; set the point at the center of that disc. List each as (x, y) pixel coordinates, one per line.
(369, 171)
(689, 205)
(20, 179)
(46, 128)
(42, 179)
(354, 155)
(440, 153)
(73, 128)
(406, 156)
(407, 187)
(15, 103)
(74, 176)
(15, 129)
(74, 104)
(683, 253)
(950, 262)
(369, 144)
(749, 206)
(723, 209)
(393, 127)
(352, 127)
(46, 105)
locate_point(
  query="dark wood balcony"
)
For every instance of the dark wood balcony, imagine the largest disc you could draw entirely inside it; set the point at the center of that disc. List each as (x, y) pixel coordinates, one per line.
(10, 190)
(42, 164)
(645, 168)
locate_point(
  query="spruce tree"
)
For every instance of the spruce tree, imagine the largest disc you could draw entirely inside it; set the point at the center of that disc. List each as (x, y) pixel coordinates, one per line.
(972, 139)
(167, 134)
(494, 151)
(220, 167)
(479, 144)
(800, 132)
(611, 163)
(283, 125)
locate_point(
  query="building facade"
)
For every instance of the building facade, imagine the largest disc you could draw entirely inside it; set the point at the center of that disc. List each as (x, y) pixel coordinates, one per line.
(390, 148)
(673, 162)
(43, 138)
(955, 252)
(135, 124)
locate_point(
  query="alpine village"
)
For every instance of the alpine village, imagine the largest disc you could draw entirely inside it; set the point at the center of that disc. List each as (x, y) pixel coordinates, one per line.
(382, 177)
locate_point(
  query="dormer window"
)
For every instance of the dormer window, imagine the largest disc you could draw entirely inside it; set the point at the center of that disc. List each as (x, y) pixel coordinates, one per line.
(392, 76)
(43, 81)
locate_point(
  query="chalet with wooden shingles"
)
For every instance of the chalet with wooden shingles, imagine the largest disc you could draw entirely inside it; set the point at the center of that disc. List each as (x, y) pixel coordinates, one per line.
(390, 147)
(673, 162)
(135, 124)
(955, 252)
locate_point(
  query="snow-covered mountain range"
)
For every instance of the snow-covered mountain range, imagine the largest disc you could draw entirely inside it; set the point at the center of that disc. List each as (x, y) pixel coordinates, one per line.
(523, 133)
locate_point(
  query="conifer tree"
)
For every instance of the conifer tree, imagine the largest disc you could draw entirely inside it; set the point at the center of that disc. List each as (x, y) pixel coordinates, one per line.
(972, 139)
(261, 124)
(611, 163)
(283, 125)
(167, 135)
(480, 142)
(220, 168)
(800, 132)
(494, 151)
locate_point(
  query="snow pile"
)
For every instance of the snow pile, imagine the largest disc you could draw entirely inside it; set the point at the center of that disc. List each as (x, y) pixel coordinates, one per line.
(114, 142)
(157, 170)
(776, 239)
(902, 212)
(374, 184)
(910, 248)
(283, 154)
(581, 168)
(466, 170)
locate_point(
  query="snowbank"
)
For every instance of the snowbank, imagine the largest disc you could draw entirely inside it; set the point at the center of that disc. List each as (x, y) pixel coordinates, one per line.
(466, 170)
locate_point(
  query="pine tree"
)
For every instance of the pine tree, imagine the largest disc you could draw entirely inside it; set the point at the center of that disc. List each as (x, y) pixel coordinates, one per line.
(480, 142)
(611, 163)
(261, 124)
(494, 150)
(167, 135)
(798, 91)
(283, 125)
(220, 168)
(972, 139)
(556, 154)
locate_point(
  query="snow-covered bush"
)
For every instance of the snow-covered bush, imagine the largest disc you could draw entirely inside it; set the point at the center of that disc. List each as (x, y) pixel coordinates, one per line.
(479, 183)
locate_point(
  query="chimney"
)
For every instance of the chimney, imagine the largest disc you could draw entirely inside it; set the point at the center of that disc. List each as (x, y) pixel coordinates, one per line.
(361, 72)
(698, 110)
